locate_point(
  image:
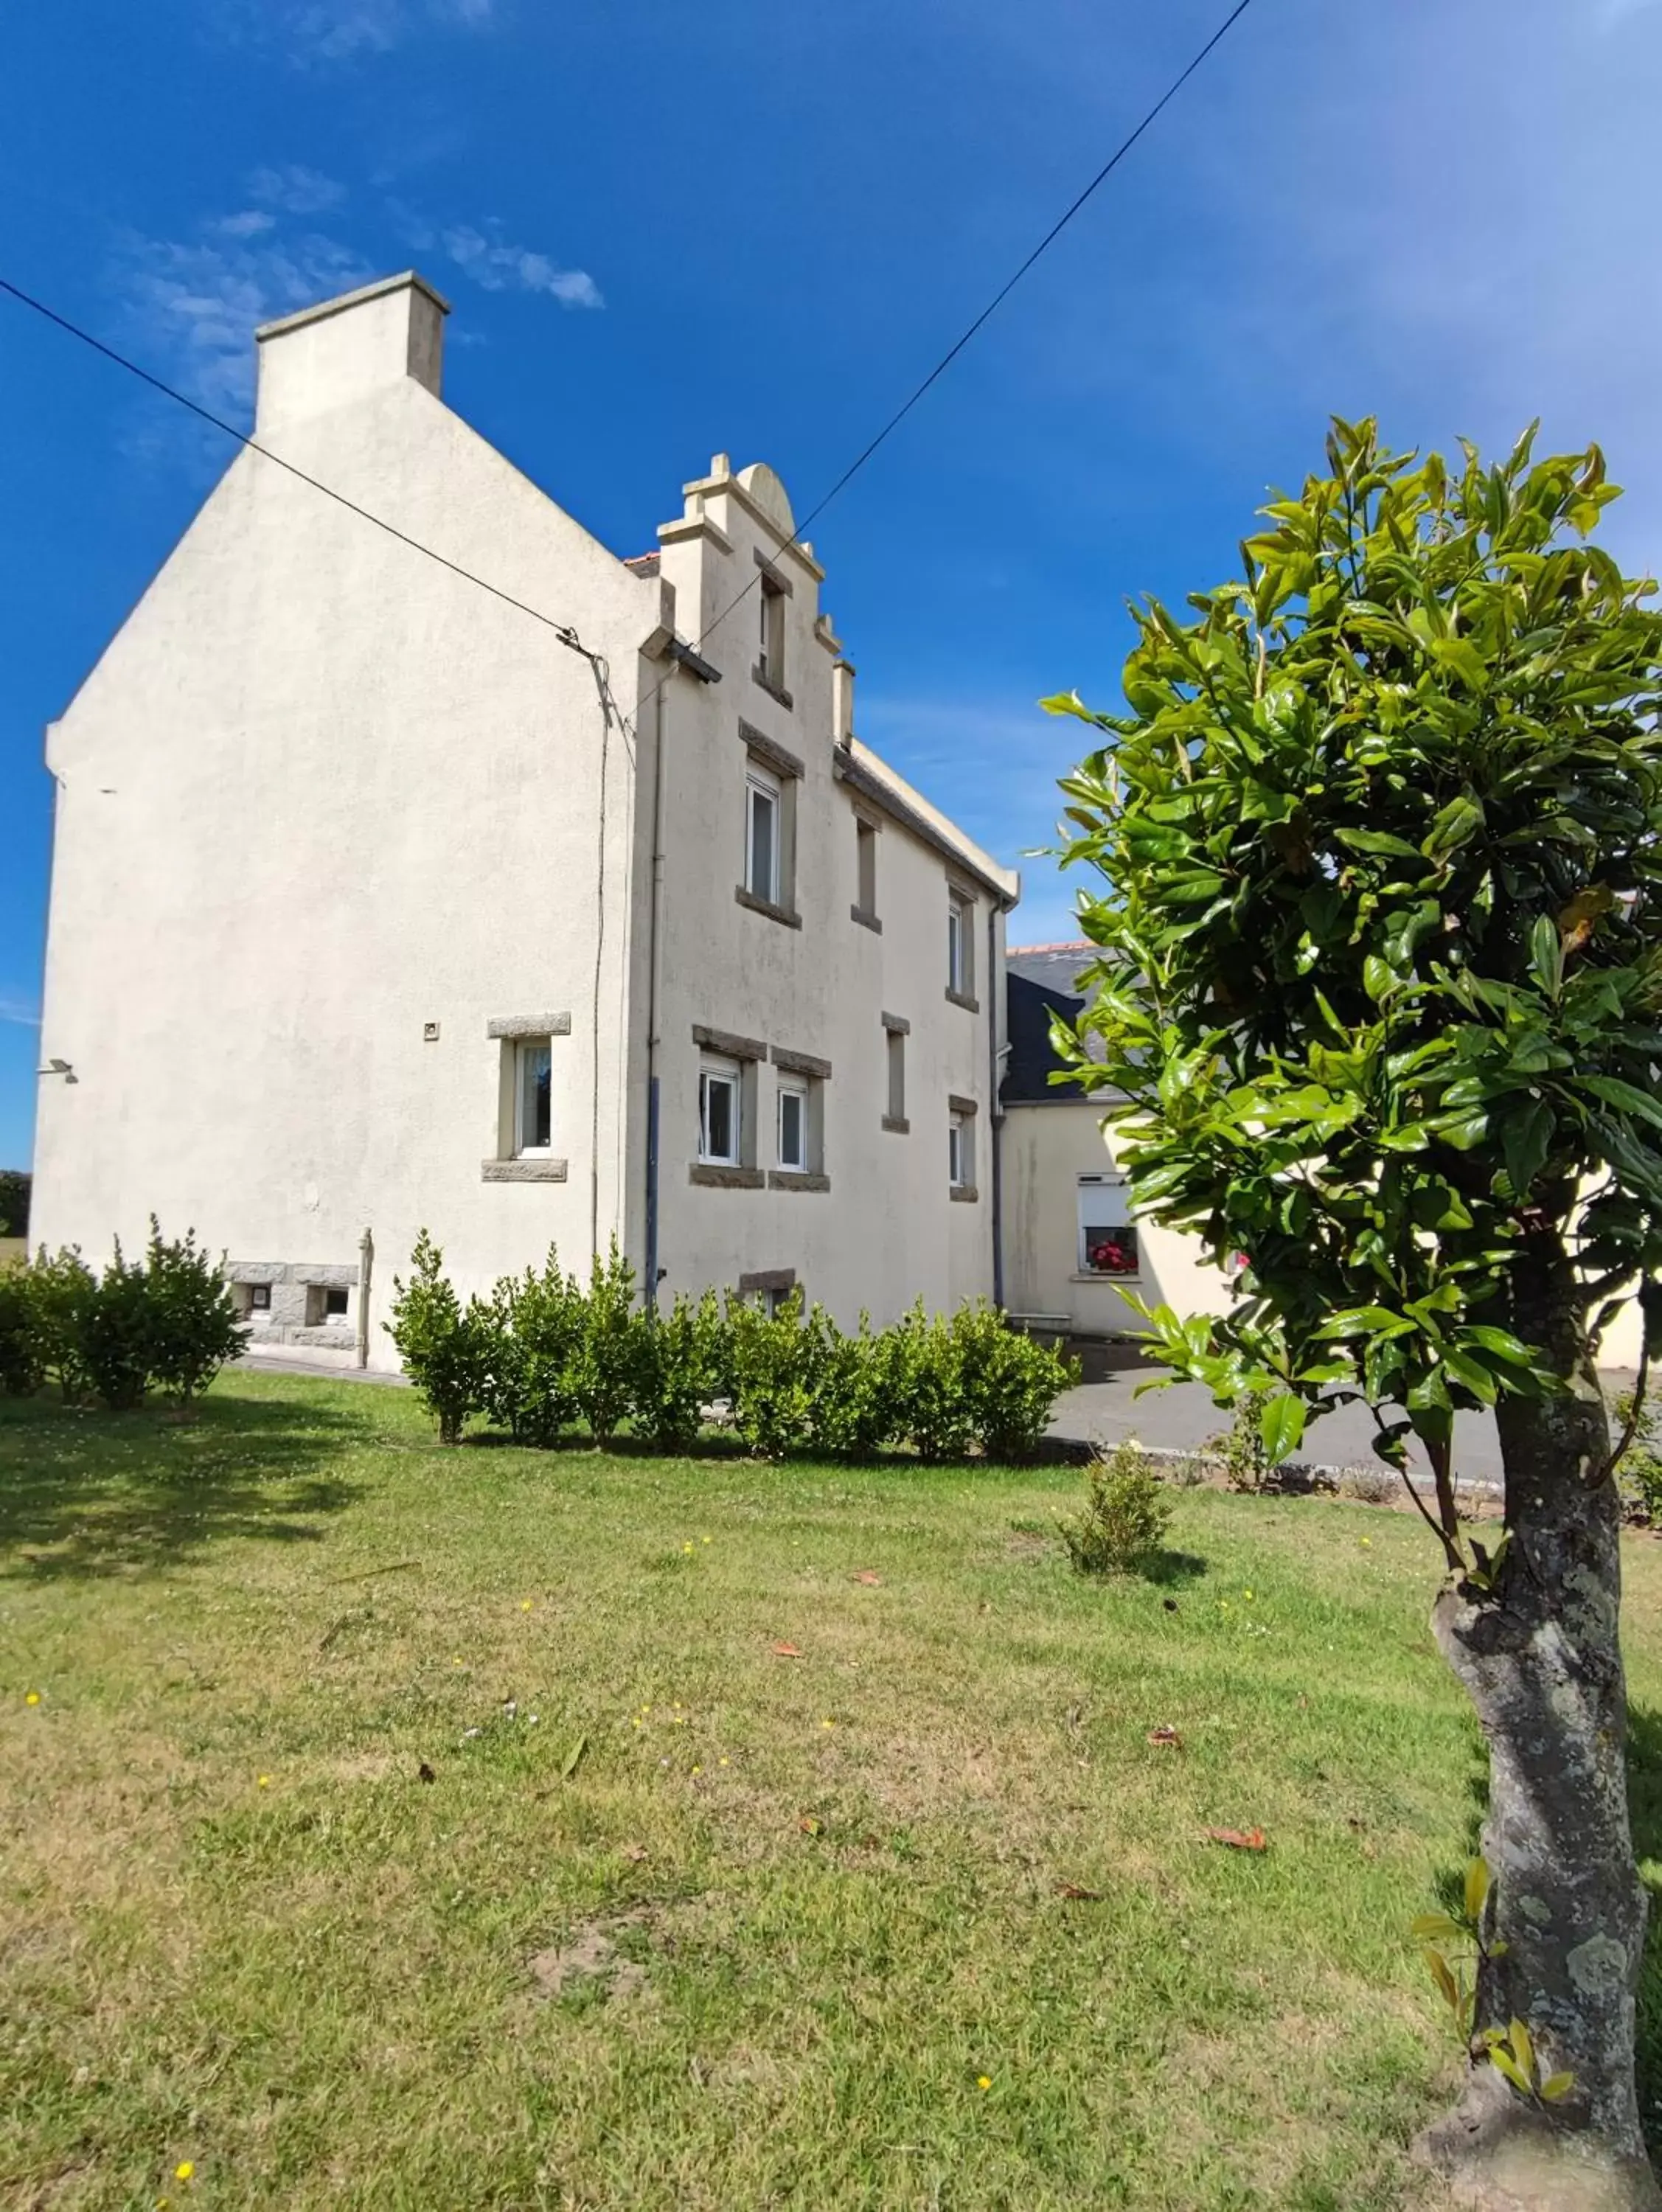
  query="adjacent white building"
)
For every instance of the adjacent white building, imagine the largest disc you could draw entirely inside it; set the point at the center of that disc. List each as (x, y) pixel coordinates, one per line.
(381, 902)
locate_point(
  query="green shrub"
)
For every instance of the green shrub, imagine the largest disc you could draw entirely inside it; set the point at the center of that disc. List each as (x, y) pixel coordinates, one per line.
(770, 1360)
(61, 1289)
(14, 1202)
(851, 1387)
(193, 1323)
(1009, 1381)
(446, 1351)
(532, 1327)
(606, 1369)
(1125, 1518)
(683, 1363)
(1240, 1450)
(117, 1334)
(932, 1405)
(22, 1367)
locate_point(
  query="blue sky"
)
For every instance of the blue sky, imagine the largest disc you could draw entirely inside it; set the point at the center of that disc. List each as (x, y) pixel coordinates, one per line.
(749, 228)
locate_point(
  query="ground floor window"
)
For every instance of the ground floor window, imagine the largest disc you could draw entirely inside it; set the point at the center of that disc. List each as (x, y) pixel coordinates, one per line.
(793, 1125)
(532, 1101)
(718, 1113)
(1107, 1242)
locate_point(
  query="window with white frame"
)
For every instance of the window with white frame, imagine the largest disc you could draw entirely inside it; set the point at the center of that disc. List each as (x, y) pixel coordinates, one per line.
(763, 807)
(793, 1125)
(960, 946)
(960, 1152)
(532, 1098)
(1107, 1240)
(721, 1092)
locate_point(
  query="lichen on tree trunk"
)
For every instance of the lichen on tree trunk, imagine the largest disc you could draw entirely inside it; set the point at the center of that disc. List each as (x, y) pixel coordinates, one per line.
(1540, 1657)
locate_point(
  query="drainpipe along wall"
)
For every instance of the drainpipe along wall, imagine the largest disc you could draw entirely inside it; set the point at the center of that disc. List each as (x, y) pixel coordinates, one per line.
(655, 939)
(995, 1110)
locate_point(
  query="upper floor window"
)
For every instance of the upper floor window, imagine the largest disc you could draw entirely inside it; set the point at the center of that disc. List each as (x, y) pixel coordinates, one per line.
(865, 863)
(958, 1151)
(960, 946)
(763, 811)
(794, 1125)
(720, 1092)
(532, 1118)
(771, 640)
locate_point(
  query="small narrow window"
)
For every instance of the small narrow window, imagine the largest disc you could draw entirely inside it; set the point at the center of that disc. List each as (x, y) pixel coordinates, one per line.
(960, 959)
(794, 1127)
(761, 810)
(334, 1304)
(958, 1152)
(259, 1297)
(897, 1076)
(533, 1117)
(770, 639)
(718, 1113)
(866, 866)
(1107, 1240)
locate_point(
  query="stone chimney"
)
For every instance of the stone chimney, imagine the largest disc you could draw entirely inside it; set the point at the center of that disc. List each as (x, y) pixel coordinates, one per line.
(342, 349)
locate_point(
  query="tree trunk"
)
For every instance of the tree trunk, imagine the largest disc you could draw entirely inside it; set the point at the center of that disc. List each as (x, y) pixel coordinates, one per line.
(1540, 1658)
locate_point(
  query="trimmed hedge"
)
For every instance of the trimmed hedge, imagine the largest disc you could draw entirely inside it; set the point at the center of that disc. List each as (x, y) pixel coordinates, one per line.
(542, 1352)
(165, 1322)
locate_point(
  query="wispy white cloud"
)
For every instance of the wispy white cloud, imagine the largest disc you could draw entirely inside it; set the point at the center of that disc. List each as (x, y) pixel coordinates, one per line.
(295, 189)
(194, 304)
(493, 262)
(23, 1014)
(313, 31)
(497, 266)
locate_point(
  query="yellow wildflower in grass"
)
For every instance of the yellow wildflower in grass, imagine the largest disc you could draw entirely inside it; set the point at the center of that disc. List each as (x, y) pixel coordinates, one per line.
(184, 2169)
(726, 1762)
(1247, 1594)
(263, 1782)
(1367, 1543)
(33, 1698)
(706, 1540)
(686, 1547)
(984, 2081)
(828, 1724)
(697, 1770)
(525, 1605)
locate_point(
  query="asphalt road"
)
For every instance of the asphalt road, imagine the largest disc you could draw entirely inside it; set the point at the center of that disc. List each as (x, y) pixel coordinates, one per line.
(1183, 1416)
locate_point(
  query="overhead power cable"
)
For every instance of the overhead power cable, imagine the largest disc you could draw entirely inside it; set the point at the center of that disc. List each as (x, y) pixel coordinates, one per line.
(993, 305)
(563, 631)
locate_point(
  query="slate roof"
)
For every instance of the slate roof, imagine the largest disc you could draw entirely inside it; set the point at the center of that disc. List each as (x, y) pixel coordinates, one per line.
(1043, 980)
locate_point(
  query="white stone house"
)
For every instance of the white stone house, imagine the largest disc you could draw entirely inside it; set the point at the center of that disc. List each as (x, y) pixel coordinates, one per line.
(379, 902)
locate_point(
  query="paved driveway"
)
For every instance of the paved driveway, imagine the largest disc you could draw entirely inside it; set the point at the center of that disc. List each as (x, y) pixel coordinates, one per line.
(1183, 1416)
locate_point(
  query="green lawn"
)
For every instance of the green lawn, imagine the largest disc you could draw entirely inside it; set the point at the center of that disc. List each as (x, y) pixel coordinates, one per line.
(792, 1932)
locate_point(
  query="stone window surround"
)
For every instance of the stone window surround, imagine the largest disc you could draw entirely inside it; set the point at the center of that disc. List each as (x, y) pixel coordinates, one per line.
(295, 1287)
(751, 1052)
(963, 1193)
(776, 591)
(960, 895)
(779, 761)
(508, 1166)
(868, 820)
(770, 1282)
(895, 1125)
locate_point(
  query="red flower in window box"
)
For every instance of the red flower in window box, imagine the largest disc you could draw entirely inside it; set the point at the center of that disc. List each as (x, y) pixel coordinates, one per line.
(1109, 1256)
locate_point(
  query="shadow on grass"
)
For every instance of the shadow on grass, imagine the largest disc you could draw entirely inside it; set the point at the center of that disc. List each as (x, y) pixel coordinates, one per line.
(87, 1494)
(1645, 1810)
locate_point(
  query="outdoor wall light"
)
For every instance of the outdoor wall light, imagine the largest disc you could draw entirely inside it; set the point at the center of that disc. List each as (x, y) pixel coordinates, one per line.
(58, 1067)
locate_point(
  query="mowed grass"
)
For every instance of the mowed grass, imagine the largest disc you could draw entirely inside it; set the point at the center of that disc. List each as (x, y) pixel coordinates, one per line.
(792, 1930)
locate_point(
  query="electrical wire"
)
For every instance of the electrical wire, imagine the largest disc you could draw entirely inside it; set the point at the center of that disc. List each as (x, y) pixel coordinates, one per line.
(992, 308)
(567, 635)
(563, 631)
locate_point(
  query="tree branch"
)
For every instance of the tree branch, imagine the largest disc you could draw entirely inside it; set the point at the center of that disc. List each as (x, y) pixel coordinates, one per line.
(1630, 1426)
